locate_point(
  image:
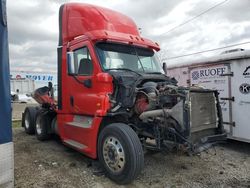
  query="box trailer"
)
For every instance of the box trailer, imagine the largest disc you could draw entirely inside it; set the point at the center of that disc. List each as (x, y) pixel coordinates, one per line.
(229, 73)
(22, 86)
(6, 144)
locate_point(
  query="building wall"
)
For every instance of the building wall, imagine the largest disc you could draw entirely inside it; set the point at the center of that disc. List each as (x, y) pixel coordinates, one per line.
(40, 78)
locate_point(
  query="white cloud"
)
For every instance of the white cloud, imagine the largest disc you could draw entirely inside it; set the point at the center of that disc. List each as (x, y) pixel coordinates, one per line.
(33, 27)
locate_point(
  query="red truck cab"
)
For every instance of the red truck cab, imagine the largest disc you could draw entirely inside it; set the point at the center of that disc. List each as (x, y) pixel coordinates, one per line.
(113, 96)
(83, 84)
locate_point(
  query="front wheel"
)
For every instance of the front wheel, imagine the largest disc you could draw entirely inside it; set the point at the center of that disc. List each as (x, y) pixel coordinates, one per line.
(120, 153)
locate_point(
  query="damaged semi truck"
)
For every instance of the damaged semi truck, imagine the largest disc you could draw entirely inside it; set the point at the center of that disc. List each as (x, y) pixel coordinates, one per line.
(114, 100)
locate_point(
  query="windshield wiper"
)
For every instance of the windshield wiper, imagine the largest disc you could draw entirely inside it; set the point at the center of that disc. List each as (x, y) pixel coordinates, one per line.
(153, 73)
(139, 59)
(125, 69)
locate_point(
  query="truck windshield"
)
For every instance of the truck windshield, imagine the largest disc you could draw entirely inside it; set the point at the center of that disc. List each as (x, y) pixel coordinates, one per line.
(119, 56)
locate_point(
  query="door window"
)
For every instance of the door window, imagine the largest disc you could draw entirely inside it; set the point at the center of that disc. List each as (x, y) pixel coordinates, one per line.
(80, 62)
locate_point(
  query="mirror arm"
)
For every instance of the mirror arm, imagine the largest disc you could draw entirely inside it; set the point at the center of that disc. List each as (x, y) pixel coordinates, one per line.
(164, 67)
(87, 83)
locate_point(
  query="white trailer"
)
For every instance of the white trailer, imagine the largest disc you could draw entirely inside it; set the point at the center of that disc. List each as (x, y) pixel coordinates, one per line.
(228, 73)
(22, 86)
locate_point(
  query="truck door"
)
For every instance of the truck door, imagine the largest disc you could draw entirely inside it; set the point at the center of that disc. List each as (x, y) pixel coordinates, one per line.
(82, 93)
(81, 96)
(216, 77)
(241, 105)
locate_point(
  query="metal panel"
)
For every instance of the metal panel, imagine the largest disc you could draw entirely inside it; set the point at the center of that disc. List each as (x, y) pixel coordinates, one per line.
(81, 121)
(6, 165)
(203, 111)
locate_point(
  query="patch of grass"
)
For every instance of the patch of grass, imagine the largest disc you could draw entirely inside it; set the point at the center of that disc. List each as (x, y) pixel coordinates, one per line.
(16, 124)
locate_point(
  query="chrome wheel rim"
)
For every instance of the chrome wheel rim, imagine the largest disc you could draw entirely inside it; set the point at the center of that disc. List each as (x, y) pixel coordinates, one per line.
(38, 125)
(113, 154)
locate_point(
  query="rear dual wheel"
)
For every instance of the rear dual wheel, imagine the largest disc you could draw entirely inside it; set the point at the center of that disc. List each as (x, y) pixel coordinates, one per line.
(120, 153)
(43, 122)
(28, 120)
(35, 121)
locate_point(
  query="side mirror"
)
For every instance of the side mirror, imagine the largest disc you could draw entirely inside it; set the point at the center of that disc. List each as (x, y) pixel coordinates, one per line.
(70, 63)
(164, 67)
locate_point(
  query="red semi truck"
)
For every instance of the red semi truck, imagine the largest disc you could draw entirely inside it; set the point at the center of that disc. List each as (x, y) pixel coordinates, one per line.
(114, 99)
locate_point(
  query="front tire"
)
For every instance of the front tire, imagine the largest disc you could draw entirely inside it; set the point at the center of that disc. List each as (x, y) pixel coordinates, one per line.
(120, 153)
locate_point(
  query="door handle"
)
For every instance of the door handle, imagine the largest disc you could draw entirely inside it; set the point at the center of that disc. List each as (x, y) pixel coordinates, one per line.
(227, 98)
(71, 100)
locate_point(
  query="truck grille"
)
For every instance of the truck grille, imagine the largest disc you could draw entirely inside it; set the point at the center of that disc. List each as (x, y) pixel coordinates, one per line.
(203, 111)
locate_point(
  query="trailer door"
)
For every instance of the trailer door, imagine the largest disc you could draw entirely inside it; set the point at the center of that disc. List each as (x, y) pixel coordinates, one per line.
(241, 105)
(215, 77)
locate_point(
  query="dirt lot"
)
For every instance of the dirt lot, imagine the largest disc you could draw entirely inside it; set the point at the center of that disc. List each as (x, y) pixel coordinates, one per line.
(50, 164)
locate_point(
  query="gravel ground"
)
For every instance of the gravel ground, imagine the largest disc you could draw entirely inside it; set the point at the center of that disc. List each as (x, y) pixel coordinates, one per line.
(50, 165)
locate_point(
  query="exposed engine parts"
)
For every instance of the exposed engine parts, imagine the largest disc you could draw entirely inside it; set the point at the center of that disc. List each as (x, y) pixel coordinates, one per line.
(155, 95)
(158, 109)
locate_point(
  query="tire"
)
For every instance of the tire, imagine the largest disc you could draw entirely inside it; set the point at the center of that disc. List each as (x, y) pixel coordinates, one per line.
(28, 119)
(54, 127)
(120, 153)
(42, 126)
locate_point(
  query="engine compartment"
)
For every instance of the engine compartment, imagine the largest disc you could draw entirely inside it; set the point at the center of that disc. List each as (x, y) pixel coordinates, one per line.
(172, 116)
